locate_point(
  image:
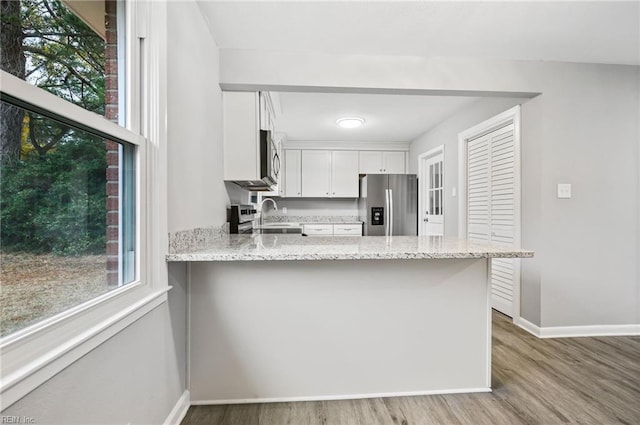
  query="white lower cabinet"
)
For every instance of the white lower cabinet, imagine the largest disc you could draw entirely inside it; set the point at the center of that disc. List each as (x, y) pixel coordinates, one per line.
(347, 229)
(332, 229)
(318, 229)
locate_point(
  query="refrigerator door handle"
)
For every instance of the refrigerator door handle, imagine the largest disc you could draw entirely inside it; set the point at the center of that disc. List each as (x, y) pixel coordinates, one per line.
(390, 212)
(386, 212)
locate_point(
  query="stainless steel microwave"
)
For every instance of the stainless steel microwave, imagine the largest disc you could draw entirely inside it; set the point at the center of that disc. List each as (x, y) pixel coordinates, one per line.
(269, 165)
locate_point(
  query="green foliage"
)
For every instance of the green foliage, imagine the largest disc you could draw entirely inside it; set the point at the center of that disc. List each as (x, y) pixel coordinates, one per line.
(53, 199)
(57, 202)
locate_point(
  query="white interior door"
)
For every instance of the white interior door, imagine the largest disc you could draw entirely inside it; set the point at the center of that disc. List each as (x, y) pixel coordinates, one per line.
(491, 206)
(431, 203)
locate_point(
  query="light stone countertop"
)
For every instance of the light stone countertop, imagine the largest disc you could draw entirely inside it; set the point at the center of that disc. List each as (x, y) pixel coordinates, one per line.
(269, 247)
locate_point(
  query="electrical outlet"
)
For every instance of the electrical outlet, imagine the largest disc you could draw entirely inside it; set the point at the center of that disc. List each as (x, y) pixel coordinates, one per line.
(564, 190)
(284, 210)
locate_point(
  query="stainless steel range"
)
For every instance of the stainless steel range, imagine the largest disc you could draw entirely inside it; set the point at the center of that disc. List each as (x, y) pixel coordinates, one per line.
(240, 218)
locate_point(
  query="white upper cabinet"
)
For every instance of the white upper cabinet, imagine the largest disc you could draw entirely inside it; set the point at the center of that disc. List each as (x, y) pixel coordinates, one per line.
(393, 162)
(244, 114)
(344, 174)
(240, 126)
(292, 173)
(370, 162)
(382, 162)
(332, 174)
(316, 173)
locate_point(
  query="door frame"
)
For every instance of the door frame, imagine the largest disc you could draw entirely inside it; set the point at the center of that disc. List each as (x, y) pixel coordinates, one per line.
(422, 158)
(510, 116)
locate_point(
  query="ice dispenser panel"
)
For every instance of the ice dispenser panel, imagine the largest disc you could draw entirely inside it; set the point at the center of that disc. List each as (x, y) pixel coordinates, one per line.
(377, 216)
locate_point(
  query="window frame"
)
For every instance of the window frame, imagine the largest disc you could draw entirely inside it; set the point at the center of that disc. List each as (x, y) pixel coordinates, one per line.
(36, 353)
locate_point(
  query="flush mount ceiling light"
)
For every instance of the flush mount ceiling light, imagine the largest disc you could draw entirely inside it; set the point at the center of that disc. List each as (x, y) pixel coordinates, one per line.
(350, 122)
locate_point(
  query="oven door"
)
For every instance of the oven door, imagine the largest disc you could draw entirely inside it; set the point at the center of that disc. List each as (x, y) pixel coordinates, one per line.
(245, 228)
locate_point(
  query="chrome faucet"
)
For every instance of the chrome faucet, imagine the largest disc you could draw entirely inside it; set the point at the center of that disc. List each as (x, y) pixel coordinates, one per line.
(275, 206)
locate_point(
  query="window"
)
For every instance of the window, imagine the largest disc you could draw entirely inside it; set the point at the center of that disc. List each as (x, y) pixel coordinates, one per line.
(76, 259)
(57, 206)
(66, 228)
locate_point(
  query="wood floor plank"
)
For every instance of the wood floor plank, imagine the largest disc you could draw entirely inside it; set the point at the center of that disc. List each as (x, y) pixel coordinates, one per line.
(535, 382)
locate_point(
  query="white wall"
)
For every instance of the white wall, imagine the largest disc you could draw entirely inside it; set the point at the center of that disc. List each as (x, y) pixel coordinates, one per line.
(136, 377)
(582, 129)
(197, 196)
(571, 130)
(320, 329)
(590, 138)
(315, 207)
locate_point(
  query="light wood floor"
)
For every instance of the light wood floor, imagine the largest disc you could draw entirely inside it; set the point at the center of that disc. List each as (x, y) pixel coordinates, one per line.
(535, 381)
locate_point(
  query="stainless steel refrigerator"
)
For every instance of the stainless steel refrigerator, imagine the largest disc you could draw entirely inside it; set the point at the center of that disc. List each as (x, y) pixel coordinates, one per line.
(388, 204)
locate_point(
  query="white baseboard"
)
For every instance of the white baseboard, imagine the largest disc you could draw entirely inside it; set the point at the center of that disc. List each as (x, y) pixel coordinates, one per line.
(179, 411)
(527, 326)
(337, 397)
(595, 330)
(577, 331)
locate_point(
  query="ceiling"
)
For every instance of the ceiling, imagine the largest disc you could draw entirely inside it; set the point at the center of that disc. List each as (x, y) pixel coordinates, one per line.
(594, 32)
(388, 118)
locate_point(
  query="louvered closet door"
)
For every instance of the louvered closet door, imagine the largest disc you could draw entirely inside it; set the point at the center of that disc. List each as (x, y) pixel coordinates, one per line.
(478, 190)
(491, 206)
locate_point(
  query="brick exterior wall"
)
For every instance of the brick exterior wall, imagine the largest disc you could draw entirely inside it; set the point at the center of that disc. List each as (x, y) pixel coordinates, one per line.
(113, 158)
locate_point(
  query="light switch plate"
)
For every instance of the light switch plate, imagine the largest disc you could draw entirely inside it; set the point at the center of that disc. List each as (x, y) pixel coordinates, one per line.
(453, 192)
(564, 190)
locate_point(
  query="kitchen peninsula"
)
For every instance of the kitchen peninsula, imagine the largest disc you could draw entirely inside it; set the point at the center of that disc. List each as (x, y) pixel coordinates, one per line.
(288, 317)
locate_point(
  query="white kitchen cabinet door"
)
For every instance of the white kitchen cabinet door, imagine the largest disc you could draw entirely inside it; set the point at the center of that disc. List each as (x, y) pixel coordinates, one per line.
(318, 229)
(241, 135)
(344, 174)
(382, 162)
(347, 229)
(292, 173)
(370, 162)
(393, 162)
(316, 173)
